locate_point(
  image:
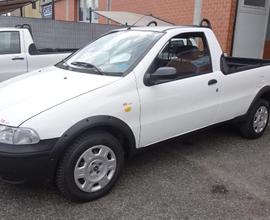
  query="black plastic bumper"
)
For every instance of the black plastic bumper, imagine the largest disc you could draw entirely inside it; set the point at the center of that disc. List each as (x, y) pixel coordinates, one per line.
(27, 163)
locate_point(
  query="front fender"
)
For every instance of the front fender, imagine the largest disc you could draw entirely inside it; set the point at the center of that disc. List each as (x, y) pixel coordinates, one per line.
(95, 122)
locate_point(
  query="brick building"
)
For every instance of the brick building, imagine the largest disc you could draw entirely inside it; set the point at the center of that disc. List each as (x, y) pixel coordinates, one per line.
(240, 25)
(220, 13)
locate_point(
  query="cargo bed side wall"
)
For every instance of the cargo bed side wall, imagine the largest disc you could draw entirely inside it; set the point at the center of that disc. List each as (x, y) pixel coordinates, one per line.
(231, 65)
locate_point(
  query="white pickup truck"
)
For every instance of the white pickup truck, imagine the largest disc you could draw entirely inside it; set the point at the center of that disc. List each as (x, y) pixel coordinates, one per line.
(75, 123)
(18, 53)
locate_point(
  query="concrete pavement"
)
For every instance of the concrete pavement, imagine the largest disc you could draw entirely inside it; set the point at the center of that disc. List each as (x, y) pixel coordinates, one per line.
(211, 175)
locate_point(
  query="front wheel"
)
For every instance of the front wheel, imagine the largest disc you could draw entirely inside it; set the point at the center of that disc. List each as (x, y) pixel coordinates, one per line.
(256, 121)
(90, 167)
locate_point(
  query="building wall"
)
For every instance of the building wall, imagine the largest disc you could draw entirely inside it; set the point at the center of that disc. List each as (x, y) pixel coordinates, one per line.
(222, 16)
(266, 54)
(60, 10)
(66, 11)
(29, 12)
(220, 13)
(73, 10)
(175, 11)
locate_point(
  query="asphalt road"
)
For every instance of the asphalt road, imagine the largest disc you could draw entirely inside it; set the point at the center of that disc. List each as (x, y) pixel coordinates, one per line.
(212, 175)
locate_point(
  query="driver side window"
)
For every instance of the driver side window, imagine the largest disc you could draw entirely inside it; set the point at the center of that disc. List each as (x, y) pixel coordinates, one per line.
(188, 53)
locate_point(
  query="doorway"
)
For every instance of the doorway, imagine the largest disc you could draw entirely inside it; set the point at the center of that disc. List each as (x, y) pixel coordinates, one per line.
(251, 28)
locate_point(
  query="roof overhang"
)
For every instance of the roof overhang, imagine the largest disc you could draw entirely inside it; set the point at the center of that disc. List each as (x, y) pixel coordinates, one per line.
(129, 18)
(11, 5)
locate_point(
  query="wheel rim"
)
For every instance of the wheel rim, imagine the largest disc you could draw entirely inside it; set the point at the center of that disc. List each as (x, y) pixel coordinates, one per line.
(260, 119)
(95, 168)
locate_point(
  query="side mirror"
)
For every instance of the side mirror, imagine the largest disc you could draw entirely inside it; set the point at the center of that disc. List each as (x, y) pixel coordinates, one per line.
(161, 75)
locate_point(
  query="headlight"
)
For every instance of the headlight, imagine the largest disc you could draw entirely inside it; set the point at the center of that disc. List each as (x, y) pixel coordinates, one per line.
(18, 136)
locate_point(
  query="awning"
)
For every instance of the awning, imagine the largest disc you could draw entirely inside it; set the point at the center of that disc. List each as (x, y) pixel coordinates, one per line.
(10, 5)
(129, 18)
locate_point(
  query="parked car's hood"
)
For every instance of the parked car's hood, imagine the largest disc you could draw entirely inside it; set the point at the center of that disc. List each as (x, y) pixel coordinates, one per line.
(29, 94)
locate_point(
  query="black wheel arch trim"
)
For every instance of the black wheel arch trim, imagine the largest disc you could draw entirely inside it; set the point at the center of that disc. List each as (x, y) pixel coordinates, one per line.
(91, 123)
(259, 95)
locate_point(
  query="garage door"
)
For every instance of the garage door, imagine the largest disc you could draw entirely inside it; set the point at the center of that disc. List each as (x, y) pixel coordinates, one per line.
(250, 29)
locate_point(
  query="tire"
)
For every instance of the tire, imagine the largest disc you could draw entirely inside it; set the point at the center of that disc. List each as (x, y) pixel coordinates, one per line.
(90, 167)
(256, 121)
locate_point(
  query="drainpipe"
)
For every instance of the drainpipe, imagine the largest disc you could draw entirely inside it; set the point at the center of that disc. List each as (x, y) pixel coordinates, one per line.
(90, 14)
(109, 8)
(21, 11)
(67, 10)
(197, 15)
(53, 10)
(234, 27)
(109, 5)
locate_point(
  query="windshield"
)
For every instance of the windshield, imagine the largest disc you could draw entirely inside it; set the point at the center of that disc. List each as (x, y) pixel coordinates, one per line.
(113, 54)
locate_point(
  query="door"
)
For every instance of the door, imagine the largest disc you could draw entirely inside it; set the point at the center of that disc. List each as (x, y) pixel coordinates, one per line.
(250, 28)
(182, 103)
(13, 61)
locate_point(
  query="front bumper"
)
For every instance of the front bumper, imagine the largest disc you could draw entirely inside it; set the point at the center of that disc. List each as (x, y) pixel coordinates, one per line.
(27, 163)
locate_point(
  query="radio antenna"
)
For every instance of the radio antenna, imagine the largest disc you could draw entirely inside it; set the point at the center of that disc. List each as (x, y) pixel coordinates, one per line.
(136, 22)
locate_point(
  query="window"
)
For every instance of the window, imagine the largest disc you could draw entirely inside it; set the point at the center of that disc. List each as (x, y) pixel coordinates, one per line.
(187, 53)
(84, 10)
(256, 3)
(112, 54)
(9, 42)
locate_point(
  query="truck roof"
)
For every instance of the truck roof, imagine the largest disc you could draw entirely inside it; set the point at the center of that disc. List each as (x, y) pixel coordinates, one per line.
(163, 28)
(8, 29)
(150, 28)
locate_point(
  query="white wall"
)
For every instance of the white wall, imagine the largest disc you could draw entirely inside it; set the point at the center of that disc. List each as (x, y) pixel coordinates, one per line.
(250, 30)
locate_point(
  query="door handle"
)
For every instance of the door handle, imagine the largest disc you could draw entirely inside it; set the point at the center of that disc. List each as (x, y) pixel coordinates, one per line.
(17, 58)
(212, 82)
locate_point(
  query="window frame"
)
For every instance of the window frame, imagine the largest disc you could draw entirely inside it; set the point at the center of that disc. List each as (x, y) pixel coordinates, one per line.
(19, 37)
(255, 6)
(192, 34)
(131, 68)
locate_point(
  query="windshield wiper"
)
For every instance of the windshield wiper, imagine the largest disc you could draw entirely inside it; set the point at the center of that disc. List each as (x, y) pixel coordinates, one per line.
(87, 66)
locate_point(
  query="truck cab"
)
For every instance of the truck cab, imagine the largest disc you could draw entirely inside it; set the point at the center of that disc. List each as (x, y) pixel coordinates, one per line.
(77, 122)
(18, 53)
(13, 44)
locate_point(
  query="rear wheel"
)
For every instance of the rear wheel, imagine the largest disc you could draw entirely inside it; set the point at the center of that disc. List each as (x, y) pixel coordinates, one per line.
(90, 167)
(257, 120)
